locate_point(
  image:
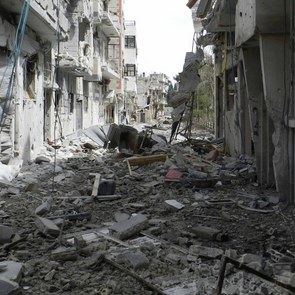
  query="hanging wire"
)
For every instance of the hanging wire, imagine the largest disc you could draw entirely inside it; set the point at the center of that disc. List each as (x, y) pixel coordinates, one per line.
(14, 57)
(55, 101)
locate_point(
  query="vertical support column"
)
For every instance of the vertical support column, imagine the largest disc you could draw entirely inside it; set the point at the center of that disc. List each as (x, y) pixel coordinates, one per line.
(244, 113)
(258, 115)
(274, 63)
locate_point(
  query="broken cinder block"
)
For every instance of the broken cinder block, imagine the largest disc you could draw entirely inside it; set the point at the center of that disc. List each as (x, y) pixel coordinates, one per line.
(46, 226)
(44, 207)
(64, 254)
(130, 227)
(136, 259)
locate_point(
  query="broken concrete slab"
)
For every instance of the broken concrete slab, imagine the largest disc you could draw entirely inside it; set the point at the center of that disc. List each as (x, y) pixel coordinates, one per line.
(44, 207)
(130, 227)
(136, 259)
(173, 258)
(205, 251)
(6, 234)
(249, 258)
(47, 227)
(121, 216)
(64, 254)
(8, 287)
(209, 233)
(11, 270)
(173, 205)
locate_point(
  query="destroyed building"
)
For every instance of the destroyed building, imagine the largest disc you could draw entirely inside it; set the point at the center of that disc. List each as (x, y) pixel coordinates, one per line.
(61, 65)
(151, 97)
(130, 68)
(254, 54)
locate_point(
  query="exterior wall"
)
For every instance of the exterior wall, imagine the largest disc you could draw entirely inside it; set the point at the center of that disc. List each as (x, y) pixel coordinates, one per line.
(130, 60)
(262, 115)
(151, 96)
(264, 17)
(62, 81)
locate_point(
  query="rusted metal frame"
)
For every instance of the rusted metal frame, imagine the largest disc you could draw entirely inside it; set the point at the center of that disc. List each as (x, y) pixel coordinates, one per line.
(134, 275)
(242, 266)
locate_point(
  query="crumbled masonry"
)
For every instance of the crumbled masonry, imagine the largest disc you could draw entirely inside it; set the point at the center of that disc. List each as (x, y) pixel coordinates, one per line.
(148, 235)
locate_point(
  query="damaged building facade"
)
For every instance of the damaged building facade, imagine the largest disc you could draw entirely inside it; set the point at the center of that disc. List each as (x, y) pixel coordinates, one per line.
(130, 69)
(151, 97)
(61, 65)
(254, 54)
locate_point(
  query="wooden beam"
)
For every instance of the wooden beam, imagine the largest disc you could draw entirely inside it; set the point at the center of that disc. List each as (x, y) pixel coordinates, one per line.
(191, 3)
(140, 161)
(95, 185)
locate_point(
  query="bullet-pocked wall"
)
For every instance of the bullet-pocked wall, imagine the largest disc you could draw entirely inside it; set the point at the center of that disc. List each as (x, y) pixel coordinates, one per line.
(65, 73)
(254, 98)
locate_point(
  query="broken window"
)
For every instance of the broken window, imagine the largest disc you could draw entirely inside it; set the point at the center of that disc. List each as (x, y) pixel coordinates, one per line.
(130, 42)
(130, 70)
(231, 87)
(30, 71)
(71, 102)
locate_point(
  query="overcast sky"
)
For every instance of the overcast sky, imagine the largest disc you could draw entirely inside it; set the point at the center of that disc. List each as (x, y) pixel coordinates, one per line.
(164, 34)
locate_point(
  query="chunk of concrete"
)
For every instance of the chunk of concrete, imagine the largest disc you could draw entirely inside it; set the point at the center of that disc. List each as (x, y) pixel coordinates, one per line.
(64, 254)
(44, 207)
(46, 226)
(205, 232)
(130, 227)
(249, 258)
(42, 159)
(121, 216)
(205, 251)
(173, 205)
(11, 270)
(136, 259)
(173, 258)
(6, 234)
(8, 287)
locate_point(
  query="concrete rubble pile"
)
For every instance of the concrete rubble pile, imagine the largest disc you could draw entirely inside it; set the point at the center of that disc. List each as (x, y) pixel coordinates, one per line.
(87, 219)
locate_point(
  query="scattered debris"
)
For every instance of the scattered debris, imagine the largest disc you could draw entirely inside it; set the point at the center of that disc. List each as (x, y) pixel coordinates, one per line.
(163, 226)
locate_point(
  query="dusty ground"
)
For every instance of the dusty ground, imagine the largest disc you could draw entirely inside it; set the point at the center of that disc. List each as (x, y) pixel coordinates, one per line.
(171, 266)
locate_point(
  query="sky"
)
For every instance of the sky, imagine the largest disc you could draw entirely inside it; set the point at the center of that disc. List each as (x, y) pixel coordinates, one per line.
(164, 34)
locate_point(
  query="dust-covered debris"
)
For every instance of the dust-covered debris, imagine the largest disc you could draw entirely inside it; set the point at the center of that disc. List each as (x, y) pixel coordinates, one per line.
(78, 222)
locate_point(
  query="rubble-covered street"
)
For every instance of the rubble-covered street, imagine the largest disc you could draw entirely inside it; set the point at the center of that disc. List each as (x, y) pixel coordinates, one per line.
(161, 223)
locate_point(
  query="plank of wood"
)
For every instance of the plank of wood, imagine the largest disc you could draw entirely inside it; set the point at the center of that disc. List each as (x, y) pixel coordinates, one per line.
(140, 161)
(102, 198)
(96, 184)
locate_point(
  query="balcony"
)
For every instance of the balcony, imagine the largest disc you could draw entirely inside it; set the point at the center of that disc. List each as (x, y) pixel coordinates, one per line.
(79, 62)
(108, 26)
(96, 73)
(110, 70)
(219, 19)
(42, 16)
